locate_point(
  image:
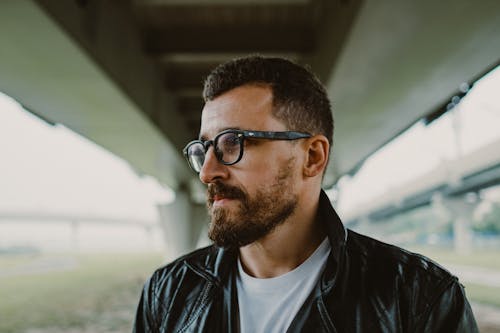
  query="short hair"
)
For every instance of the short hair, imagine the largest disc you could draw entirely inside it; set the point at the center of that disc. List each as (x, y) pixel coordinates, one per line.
(299, 98)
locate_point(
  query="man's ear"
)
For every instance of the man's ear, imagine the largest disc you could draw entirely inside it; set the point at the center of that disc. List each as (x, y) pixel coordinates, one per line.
(317, 152)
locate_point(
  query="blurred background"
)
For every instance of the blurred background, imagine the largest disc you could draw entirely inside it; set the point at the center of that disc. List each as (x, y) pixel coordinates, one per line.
(97, 99)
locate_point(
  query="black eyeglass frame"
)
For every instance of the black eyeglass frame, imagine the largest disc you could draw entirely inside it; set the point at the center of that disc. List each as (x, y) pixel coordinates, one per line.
(242, 135)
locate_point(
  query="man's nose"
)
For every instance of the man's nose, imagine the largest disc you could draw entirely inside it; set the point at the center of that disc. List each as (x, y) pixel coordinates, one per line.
(212, 169)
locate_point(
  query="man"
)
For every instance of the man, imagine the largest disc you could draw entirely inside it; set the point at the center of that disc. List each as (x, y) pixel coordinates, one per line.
(281, 259)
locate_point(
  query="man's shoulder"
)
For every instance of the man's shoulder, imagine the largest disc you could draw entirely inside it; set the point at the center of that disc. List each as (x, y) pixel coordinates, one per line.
(427, 295)
(383, 258)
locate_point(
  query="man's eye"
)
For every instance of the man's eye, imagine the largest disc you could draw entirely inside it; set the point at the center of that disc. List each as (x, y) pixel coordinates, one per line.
(229, 140)
(232, 141)
(229, 143)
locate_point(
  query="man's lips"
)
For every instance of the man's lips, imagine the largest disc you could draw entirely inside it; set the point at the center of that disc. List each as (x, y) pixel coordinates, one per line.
(220, 198)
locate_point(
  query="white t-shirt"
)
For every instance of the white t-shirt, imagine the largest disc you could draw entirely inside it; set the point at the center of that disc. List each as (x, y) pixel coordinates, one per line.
(269, 305)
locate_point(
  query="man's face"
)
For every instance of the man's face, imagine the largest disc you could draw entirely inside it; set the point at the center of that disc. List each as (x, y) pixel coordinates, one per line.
(247, 200)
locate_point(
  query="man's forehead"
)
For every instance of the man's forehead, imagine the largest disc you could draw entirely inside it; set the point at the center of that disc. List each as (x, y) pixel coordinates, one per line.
(217, 119)
(242, 107)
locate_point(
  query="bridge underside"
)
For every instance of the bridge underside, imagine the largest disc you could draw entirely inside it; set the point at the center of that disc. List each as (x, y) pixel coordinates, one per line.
(128, 74)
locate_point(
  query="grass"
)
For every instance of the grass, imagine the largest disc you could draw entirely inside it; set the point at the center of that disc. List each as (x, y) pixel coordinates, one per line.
(100, 294)
(483, 294)
(478, 258)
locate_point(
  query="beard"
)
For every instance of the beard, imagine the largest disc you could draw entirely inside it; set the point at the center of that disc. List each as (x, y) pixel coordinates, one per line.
(255, 216)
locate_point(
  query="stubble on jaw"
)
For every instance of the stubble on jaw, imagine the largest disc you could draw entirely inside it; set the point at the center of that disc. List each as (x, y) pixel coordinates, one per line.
(254, 217)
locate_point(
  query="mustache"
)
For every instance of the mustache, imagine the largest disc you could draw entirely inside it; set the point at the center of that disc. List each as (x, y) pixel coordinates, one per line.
(224, 191)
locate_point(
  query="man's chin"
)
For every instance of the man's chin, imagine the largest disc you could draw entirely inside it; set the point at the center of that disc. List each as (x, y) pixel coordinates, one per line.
(224, 215)
(232, 239)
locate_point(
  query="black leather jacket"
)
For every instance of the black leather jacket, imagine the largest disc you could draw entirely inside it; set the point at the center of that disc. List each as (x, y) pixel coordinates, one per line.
(367, 286)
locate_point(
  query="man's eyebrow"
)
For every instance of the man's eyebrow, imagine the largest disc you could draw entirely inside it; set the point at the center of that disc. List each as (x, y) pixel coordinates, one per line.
(204, 137)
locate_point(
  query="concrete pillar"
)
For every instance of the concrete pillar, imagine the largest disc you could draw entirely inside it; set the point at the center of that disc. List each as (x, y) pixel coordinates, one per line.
(461, 210)
(462, 235)
(200, 215)
(75, 247)
(182, 222)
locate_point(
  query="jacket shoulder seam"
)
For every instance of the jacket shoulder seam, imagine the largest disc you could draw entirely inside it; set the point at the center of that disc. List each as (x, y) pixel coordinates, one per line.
(442, 287)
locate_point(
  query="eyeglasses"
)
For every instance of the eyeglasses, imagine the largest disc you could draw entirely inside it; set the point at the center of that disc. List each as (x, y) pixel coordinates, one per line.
(228, 145)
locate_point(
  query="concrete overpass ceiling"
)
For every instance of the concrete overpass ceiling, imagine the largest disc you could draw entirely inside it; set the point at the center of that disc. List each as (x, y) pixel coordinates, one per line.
(158, 52)
(385, 63)
(404, 59)
(218, 2)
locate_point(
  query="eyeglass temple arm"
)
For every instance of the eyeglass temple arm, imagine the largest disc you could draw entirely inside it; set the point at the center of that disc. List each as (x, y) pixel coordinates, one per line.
(289, 135)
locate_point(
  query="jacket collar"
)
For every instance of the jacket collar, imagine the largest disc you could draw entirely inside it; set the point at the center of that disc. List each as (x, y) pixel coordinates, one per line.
(337, 235)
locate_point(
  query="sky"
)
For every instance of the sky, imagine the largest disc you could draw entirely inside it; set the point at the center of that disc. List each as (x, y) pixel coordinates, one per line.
(51, 169)
(48, 169)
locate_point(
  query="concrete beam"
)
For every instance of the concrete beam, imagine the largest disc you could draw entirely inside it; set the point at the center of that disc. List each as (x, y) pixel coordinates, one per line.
(336, 21)
(187, 39)
(182, 222)
(43, 69)
(402, 61)
(107, 33)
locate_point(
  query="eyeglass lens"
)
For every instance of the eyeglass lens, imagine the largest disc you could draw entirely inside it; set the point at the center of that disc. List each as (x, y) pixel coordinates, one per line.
(228, 147)
(227, 150)
(196, 156)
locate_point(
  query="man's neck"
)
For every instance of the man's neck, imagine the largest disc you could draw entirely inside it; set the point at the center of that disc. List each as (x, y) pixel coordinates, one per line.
(286, 247)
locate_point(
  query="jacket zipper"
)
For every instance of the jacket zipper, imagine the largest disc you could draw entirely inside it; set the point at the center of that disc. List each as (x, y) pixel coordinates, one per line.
(325, 317)
(199, 305)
